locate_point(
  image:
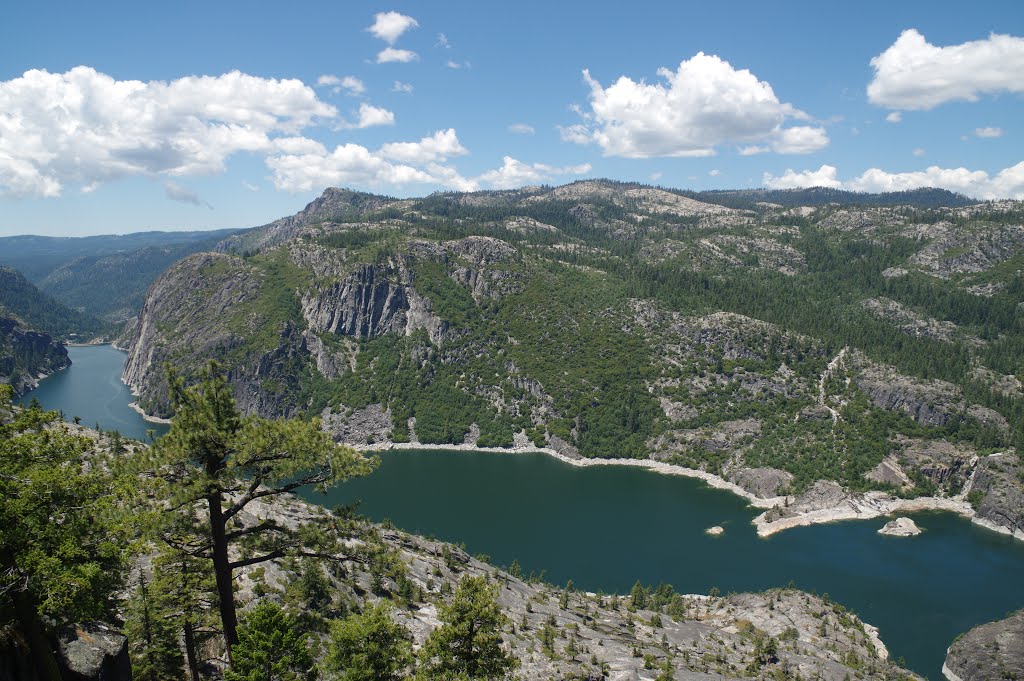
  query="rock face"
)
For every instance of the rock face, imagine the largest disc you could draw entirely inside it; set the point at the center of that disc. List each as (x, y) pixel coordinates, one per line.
(25, 355)
(932, 403)
(901, 527)
(997, 482)
(991, 651)
(93, 652)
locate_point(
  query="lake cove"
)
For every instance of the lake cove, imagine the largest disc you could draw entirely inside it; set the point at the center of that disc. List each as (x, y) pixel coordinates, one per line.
(91, 389)
(605, 527)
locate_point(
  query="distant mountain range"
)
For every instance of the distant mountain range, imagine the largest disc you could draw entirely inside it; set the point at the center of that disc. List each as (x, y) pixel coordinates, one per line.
(102, 276)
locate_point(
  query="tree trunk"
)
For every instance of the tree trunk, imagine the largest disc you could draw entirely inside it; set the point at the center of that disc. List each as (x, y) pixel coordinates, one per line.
(40, 649)
(190, 652)
(222, 572)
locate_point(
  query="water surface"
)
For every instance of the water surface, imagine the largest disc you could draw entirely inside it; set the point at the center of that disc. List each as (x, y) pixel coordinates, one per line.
(91, 389)
(605, 527)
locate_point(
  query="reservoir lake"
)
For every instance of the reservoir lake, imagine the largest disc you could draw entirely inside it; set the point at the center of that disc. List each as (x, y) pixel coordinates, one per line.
(606, 527)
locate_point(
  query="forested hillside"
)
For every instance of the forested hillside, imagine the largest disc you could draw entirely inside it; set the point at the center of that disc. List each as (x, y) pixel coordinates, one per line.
(20, 300)
(102, 276)
(876, 345)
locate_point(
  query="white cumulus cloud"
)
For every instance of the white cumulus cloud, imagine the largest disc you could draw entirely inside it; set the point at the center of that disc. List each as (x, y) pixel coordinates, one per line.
(988, 132)
(913, 74)
(1006, 184)
(825, 176)
(705, 102)
(399, 86)
(391, 54)
(521, 129)
(389, 26)
(895, 117)
(83, 127)
(370, 116)
(440, 146)
(514, 173)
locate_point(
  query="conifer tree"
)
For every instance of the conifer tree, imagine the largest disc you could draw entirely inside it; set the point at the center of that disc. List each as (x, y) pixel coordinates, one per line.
(270, 647)
(215, 463)
(369, 646)
(468, 644)
(61, 545)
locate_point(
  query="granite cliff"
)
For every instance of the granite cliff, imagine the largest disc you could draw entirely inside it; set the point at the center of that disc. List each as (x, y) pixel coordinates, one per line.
(27, 355)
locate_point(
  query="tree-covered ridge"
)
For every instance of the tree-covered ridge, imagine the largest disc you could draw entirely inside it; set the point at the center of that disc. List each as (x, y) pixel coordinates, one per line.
(36, 310)
(102, 276)
(616, 319)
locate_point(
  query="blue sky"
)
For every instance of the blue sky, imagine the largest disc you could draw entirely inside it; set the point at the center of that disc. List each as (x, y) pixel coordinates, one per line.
(120, 117)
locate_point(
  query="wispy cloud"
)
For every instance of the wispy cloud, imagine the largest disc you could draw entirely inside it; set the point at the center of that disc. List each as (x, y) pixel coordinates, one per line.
(175, 192)
(391, 54)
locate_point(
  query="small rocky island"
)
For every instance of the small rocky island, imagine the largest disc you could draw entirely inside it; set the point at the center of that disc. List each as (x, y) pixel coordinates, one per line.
(901, 527)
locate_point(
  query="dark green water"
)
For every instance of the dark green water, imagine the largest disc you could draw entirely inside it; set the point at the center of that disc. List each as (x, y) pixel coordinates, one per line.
(605, 527)
(91, 389)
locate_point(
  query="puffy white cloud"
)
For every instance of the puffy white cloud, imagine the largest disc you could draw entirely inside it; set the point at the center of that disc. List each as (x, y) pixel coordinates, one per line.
(440, 146)
(84, 127)
(442, 41)
(1006, 184)
(452, 64)
(895, 117)
(914, 74)
(399, 86)
(389, 26)
(347, 165)
(799, 139)
(514, 173)
(521, 129)
(391, 54)
(370, 116)
(394, 164)
(176, 192)
(702, 104)
(714, 172)
(988, 132)
(825, 176)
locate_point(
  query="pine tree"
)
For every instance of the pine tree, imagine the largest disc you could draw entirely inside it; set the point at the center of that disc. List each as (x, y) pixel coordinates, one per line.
(270, 647)
(369, 646)
(468, 643)
(215, 462)
(61, 542)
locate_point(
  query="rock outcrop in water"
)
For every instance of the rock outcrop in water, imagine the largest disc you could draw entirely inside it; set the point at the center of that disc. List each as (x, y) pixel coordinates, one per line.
(27, 355)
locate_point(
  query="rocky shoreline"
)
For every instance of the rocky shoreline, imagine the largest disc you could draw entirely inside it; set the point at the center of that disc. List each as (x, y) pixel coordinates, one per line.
(657, 466)
(134, 406)
(844, 505)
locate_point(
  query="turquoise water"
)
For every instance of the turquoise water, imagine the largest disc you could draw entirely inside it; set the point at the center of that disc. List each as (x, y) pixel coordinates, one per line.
(605, 527)
(91, 389)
